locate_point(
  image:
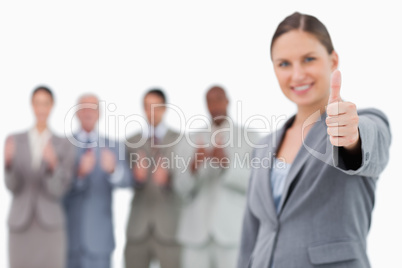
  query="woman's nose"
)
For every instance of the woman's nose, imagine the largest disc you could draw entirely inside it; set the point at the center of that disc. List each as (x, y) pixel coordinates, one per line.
(298, 73)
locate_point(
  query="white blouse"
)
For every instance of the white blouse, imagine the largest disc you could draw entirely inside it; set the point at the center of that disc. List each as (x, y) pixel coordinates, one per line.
(37, 143)
(279, 172)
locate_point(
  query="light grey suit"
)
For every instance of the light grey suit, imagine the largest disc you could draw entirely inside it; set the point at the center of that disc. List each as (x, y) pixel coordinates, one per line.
(36, 215)
(153, 220)
(214, 200)
(325, 210)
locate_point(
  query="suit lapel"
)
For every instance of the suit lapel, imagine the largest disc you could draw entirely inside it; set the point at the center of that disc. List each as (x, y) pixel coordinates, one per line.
(57, 152)
(23, 151)
(312, 139)
(267, 188)
(264, 173)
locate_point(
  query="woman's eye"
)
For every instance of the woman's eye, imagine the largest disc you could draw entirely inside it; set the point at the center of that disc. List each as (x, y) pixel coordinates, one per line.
(284, 64)
(309, 59)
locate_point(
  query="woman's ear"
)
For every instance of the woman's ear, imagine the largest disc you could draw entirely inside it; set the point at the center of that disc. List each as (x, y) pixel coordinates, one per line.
(334, 60)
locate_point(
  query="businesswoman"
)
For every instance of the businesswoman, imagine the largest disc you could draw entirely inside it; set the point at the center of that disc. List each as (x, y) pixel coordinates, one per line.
(38, 167)
(311, 207)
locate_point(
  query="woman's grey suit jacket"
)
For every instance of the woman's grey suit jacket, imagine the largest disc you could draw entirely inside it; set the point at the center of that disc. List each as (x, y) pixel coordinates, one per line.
(325, 211)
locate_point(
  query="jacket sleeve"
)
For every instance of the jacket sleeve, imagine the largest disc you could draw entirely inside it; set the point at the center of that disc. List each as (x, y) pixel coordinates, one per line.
(57, 182)
(132, 161)
(12, 180)
(375, 136)
(78, 184)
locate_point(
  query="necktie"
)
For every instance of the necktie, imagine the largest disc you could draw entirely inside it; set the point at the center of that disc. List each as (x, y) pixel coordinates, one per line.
(87, 144)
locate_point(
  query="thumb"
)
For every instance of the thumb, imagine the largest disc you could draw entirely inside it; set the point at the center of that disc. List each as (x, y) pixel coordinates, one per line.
(335, 94)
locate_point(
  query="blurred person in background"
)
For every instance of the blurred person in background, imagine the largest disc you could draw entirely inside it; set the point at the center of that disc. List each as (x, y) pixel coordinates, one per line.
(38, 169)
(88, 205)
(214, 187)
(152, 225)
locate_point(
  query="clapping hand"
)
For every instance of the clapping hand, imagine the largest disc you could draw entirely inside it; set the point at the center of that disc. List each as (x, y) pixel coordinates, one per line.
(140, 172)
(9, 151)
(108, 161)
(87, 163)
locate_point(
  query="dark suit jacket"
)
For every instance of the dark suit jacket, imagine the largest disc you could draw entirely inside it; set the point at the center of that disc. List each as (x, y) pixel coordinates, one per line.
(325, 210)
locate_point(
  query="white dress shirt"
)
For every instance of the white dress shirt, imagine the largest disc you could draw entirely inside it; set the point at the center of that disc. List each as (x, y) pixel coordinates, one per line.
(85, 137)
(37, 143)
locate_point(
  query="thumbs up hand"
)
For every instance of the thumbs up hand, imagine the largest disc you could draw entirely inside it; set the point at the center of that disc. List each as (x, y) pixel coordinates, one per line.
(342, 121)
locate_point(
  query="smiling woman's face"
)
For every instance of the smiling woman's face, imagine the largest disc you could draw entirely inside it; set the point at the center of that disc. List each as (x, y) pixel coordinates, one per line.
(303, 68)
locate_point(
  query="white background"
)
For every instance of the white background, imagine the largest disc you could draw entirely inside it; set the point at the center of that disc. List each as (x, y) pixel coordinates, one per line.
(119, 49)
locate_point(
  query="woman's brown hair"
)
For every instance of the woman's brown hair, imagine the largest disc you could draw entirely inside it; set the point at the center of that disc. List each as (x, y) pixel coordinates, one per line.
(306, 23)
